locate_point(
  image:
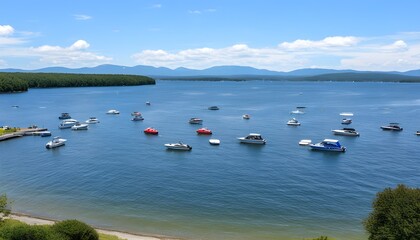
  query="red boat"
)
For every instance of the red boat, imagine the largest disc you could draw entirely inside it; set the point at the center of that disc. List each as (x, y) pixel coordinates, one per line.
(151, 131)
(204, 131)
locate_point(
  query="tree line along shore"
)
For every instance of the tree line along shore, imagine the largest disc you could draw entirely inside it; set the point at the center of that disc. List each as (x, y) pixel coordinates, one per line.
(329, 77)
(21, 82)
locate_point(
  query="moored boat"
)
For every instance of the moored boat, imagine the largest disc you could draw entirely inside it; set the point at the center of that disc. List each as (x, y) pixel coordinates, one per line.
(246, 116)
(293, 122)
(92, 120)
(80, 126)
(346, 114)
(392, 127)
(299, 110)
(55, 142)
(252, 138)
(346, 121)
(214, 141)
(178, 146)
(137, 118)
(346, 132)
(113, 111)
(64, 116)
(204, 131)
(45, 134)
(330, 145)
(151, 131)
(68, 123)
(305, 142)
(195, 121)
(213, 108)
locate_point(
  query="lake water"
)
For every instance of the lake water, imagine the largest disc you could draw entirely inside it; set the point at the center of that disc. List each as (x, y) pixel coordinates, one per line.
(115, 176)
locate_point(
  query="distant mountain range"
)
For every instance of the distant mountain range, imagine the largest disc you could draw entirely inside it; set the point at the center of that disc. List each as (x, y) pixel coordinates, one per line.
(163, 72)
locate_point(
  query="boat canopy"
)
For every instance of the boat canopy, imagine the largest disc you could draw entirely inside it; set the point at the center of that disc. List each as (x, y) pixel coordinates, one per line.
(332, 142)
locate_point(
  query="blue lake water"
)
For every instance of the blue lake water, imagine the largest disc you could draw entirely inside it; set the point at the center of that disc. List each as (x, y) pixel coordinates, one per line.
(115, 176)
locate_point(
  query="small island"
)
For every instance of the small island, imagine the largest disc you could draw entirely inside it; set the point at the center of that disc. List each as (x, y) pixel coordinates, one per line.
(21, 82)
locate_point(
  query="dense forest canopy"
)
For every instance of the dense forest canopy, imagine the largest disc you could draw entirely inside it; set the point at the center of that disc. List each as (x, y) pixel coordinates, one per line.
(330, 77)
(18, 82)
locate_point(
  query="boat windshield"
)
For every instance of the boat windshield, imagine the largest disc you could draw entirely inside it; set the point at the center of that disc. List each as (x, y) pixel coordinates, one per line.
(332, 144)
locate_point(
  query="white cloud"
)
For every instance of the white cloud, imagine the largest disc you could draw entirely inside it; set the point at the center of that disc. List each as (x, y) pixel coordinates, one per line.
(194, 11)
(157, 5)
(386, 53)
(79, 44)
(82, 17)
(328, 42)
(239, 54)
(209, 10)
(397, 46)
(10, 41)
(6, 30)
(73, 56)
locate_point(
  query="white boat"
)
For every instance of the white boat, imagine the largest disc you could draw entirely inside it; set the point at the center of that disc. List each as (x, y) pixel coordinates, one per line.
(392, 127)
(418, 133)
(346, 114)
(252, 138)
(92, 120)
(68, 123)
(113, 111)
(137, 118)
(55, 142)
(178, 146)
(246, 116)
(346, 121)
(330, 145)
(346, 132)
(297, 111)
(305, 142)
(214, 141)
(80, 126)
(44, 133)
(293, 122)
(196, 121)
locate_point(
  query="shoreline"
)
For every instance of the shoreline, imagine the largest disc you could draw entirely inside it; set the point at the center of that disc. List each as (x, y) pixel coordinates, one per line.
(31, 220)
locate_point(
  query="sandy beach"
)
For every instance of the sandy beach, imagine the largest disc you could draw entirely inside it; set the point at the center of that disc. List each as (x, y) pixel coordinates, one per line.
(123, 235)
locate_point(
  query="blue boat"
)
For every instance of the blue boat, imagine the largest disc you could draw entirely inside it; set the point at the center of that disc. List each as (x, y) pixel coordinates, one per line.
(330, 145)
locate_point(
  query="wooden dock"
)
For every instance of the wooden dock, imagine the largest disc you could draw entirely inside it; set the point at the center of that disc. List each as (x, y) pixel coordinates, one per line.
(22, 132)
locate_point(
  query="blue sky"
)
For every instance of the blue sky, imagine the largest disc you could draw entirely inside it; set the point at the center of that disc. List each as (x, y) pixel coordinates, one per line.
(278, 35)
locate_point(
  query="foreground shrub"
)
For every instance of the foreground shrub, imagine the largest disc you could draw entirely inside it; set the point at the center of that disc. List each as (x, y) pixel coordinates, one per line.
(4, 207)
(75, 230)
(395, 215)
(14, 230)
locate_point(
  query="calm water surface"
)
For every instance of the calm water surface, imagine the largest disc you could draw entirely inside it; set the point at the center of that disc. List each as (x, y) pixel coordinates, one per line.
(114, 176)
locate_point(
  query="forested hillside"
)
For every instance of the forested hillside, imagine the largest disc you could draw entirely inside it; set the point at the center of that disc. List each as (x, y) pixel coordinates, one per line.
(18, 82)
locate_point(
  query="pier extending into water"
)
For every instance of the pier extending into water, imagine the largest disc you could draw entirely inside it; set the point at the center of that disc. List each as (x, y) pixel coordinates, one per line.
(22, 132)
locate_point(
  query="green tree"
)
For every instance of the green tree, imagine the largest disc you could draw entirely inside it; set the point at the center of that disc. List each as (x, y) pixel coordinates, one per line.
(4, 207)
(75, 230)
(395, 215)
